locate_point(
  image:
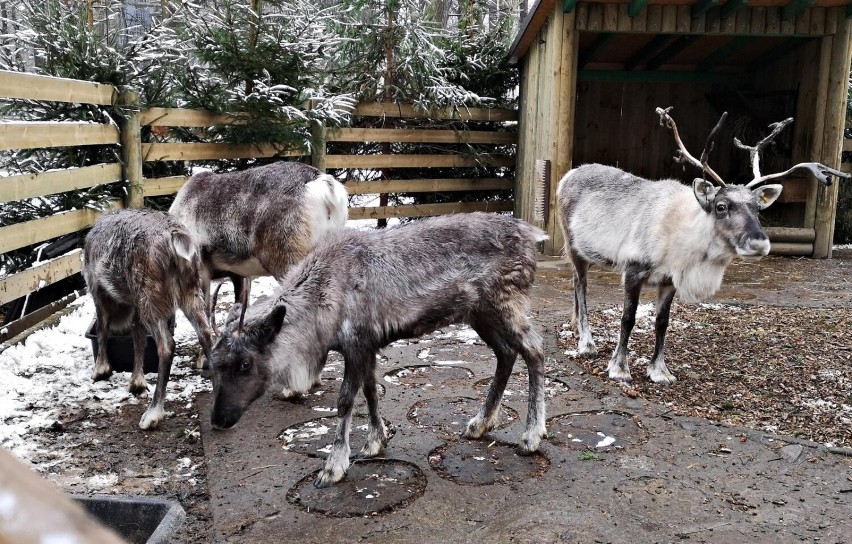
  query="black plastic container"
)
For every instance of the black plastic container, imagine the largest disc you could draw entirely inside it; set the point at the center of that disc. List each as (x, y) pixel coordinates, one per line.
(139, 520)
(120, 350)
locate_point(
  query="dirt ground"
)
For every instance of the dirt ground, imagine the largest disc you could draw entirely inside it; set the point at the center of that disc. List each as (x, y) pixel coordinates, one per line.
(735, 449)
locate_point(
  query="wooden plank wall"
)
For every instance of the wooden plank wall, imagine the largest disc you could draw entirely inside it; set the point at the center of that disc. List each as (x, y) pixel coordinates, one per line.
(168, 151)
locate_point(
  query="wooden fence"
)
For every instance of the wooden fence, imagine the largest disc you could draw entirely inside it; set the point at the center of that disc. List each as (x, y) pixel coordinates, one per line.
(30, 135)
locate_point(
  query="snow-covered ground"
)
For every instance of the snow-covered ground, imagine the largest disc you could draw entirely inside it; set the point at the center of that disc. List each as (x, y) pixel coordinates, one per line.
(50, 372)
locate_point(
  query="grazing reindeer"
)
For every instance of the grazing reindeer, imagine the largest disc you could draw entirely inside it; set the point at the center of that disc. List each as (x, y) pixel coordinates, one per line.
(140, 266)
(663, 234)
(360, 291)
(260, 221)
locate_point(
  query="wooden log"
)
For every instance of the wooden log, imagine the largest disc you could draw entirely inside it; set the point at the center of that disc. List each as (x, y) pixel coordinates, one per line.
(610, 18)
(838, 73)
(393, 109)
(429, 185)
(818, 132)
(131, 148)
(668, 23)
(790, 234)
(35, 511)
(415, 161)
(791, 249)
(758, 20)
(595, 23)
(25, 282)
(425, 210)
(163, 186)
(32, 135)
(420, 136)
(179, 117)
(55, 89)
(684, 19)
(38, 230)
(319, 139)
(57, 181)
(212, 151)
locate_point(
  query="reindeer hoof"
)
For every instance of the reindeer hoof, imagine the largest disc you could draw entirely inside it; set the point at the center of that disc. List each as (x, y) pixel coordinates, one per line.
(328, 478)
(137, 388)
(101, 375)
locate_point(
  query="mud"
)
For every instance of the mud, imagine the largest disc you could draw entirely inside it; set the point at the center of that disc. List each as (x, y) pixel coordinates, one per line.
(639, 473)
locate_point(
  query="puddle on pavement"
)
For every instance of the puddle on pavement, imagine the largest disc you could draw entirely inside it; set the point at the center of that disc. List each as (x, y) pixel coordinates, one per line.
(596, 431)
(313, 438)
(449, 416)
(428, 377)
(518, 386)
(371, 487)
(485, 462)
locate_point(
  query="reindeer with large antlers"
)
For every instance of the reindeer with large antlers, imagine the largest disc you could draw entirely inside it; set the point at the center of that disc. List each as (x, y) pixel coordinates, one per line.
(663, 234)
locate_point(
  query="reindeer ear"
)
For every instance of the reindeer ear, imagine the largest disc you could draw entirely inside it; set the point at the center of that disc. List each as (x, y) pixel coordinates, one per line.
(766, 195)
(705, 192)
(272, 323)
(183, 245)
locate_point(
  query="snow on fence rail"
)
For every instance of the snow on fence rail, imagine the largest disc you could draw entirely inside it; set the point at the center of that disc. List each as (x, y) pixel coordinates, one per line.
(32, 135)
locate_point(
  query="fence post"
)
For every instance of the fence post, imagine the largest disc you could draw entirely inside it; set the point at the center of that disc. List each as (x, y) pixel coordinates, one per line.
(318, 145)
(131, 148)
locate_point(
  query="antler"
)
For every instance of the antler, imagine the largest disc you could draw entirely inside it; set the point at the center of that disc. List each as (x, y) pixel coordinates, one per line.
(754, 151)
(243, 303)
(683, 156)
(818, 170)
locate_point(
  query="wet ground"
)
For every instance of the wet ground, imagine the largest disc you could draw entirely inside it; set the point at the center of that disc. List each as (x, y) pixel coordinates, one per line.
(616, 467)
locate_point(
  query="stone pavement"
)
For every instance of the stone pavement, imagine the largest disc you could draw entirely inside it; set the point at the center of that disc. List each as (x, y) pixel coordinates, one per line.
(614, 468)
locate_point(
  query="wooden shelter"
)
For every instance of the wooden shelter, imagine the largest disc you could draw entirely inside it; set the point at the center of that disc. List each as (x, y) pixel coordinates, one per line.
(592, 73)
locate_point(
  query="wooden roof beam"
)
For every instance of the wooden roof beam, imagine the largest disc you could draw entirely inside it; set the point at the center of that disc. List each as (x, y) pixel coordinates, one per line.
(778, 52)
(702, 6)
(588, 54)
(669, 52)
(722, 53)
(636, 6)
(731, 7)
(794, 9)
(650, 50)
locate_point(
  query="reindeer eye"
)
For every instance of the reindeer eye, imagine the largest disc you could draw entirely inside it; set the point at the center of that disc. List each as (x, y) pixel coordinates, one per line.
(721, 207)
(245, 365)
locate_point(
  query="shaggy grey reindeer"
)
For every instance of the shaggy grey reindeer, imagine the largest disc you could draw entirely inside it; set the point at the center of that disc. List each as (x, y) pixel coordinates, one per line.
(361, 290)
(258, 222)
(140, 266)
(665, 234)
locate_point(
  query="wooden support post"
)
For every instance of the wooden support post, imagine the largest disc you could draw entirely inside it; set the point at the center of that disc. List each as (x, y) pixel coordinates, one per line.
(838, 77)
(818, 129)
(131, 148)
(318, 145)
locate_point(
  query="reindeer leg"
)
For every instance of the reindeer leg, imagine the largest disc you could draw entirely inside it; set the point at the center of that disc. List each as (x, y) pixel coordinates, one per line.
(192, 305)
(103, 370)
(156, 412)
(337, 462)
(493, 332)
(533, 354)
(586, 344)
(618, 367)
(377, 434)
(138, 385)
(657, 370)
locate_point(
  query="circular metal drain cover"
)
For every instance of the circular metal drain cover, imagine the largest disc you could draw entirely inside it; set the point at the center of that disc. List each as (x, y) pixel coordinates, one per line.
(483, 462)
(450, 416)
(428, 377)
(518, 386)
(314, 438)
(371, 487)
(598, 431)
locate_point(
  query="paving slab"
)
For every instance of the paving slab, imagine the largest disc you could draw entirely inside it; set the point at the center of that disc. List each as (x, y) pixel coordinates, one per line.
(613, 469)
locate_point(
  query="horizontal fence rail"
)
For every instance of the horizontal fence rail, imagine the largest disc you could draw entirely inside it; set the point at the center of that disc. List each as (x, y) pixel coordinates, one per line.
(55, 89)
(31, 135)
(424, 210)
(212, 151)
(57, 181)
(41, 275)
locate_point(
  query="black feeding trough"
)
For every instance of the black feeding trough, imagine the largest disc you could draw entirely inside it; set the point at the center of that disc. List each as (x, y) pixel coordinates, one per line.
(139, 520)
(120, 349)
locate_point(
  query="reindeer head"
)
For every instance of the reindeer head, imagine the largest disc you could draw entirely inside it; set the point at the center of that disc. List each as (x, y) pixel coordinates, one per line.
(735, 208)
(241, 363)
